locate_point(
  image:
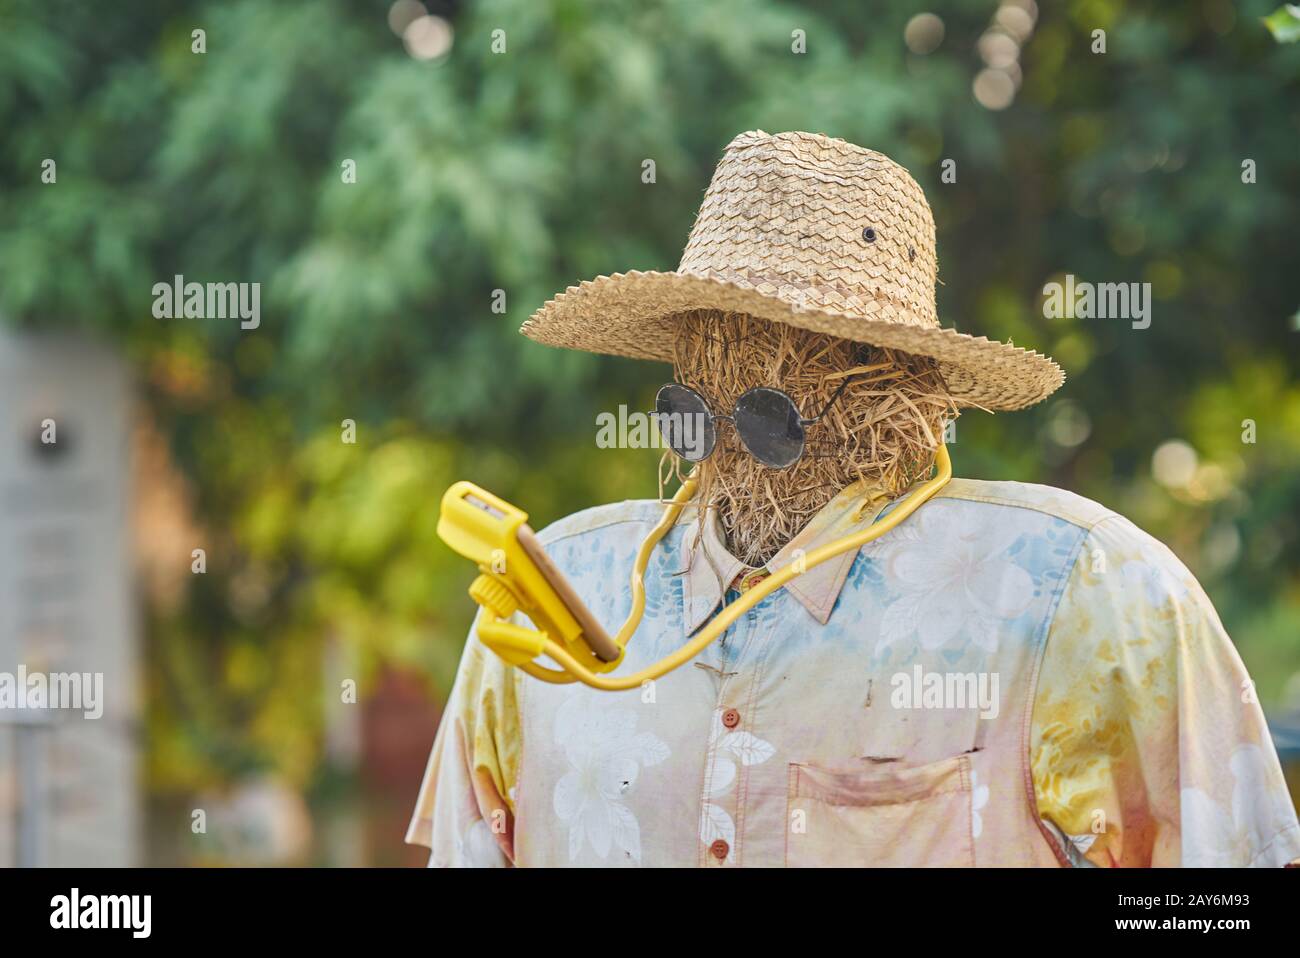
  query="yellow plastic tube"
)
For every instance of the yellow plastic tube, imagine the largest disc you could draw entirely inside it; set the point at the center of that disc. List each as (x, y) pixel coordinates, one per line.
(574, 670)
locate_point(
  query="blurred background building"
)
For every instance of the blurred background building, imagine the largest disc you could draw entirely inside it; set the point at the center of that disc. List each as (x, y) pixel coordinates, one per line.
(69, 785)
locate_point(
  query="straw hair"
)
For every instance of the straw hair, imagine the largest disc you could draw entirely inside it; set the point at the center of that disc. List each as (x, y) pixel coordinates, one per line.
(884, 428)
(816, 233)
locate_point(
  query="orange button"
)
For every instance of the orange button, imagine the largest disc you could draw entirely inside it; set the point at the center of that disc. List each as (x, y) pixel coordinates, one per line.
(719, 850)
(730, 718)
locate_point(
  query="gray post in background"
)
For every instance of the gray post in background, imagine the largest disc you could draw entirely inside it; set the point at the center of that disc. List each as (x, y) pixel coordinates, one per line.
(70, 790)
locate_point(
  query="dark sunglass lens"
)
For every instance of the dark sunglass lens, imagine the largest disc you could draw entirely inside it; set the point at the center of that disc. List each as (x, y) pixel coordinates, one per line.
(684, 422)
(768, 423)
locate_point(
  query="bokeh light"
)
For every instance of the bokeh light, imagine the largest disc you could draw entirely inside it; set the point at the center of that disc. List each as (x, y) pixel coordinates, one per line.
(427, 37)
(1174, 464)
(402, 13)
(993, 89)
(923, 33)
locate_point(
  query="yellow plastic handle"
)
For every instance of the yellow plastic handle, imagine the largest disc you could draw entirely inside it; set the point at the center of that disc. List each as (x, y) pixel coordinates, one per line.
(485, 529)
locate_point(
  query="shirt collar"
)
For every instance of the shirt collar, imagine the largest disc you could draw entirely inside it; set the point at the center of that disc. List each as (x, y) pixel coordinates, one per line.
(707, 568)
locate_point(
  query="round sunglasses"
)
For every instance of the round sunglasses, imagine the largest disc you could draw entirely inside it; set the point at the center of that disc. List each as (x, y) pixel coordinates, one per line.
(767, 421)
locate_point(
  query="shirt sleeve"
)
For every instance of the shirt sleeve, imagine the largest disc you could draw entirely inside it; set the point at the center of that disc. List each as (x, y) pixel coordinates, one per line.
(465, 810)
(1148, 745)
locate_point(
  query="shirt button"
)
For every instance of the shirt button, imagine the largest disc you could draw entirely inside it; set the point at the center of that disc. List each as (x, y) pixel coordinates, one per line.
(730, 718)
(719, 850)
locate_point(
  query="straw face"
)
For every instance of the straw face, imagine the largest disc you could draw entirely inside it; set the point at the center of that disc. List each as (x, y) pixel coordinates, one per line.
(811, 231)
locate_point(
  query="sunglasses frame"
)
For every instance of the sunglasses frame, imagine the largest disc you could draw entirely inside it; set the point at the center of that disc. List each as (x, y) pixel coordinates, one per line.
(715, 418)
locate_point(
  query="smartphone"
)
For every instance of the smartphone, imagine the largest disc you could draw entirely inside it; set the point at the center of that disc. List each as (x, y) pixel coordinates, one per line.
(596, 636)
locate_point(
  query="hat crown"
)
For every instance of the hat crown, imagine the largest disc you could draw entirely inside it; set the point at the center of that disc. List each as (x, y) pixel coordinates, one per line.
(820, 224)
(813, 232)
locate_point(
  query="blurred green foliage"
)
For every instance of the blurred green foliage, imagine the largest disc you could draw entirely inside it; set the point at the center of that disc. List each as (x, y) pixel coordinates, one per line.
(1284, 23)
(521, 171)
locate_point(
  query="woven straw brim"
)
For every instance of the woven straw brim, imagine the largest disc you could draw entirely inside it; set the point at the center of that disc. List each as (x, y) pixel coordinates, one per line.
(632, 314)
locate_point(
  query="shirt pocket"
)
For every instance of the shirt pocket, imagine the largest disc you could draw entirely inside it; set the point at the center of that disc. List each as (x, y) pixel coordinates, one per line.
(880, 814)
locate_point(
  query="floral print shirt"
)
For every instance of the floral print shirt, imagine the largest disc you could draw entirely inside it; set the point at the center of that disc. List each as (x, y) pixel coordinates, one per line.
(1013, 676)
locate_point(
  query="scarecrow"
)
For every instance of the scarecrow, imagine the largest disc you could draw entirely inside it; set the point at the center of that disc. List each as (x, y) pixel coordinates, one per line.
(1010, 675)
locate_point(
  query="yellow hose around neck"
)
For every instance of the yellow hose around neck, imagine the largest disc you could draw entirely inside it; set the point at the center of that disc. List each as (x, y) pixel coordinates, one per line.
(573, 670)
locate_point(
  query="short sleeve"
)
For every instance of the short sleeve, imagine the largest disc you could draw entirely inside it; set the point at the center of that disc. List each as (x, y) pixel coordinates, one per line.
(465, 810)
(1148, 746)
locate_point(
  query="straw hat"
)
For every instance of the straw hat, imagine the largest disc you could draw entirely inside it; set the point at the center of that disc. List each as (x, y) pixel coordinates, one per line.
(802, 229)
